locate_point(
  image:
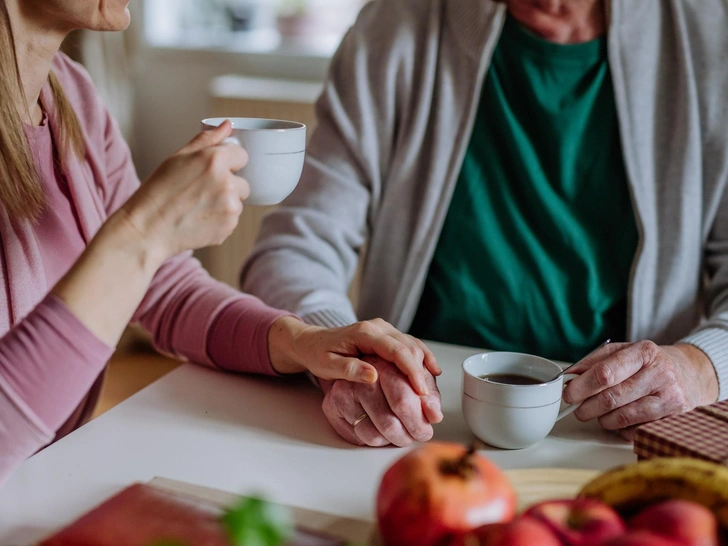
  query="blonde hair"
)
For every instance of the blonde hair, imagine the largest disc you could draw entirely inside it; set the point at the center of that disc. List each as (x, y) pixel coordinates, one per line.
(21, 192)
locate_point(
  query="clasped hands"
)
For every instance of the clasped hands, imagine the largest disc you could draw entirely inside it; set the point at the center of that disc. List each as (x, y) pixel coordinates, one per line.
(379, 383)
(622, 385)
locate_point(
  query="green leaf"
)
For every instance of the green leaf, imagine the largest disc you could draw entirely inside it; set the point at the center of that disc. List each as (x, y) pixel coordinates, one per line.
(255, 522)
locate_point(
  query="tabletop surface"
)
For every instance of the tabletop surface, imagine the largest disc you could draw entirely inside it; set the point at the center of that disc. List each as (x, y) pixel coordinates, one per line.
(249, 435)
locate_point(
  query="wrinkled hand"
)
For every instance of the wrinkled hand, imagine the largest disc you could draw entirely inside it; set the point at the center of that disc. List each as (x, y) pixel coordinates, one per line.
(626, 384)
(336, 353)
(193, 199)
(396, 414)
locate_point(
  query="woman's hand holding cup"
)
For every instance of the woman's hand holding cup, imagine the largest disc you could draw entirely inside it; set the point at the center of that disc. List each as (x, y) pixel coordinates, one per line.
(193, 199)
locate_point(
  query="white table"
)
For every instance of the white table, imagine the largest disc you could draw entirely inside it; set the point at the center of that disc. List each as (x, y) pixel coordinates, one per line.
(246, 435)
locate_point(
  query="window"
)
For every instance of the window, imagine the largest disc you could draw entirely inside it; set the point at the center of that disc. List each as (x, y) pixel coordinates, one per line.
(249, 25)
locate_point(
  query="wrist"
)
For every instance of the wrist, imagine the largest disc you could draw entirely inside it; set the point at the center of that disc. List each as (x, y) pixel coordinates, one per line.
(704, 368)
(122, 234)
(284, 344)
(147, 223)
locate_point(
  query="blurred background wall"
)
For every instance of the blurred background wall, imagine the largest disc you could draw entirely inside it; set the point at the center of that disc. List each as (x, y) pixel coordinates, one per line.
(183, 60)
(157, 76)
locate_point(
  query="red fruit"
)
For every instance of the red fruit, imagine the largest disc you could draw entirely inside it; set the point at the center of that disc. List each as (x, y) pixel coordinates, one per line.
(686, 522)
(578, 522)
(441, 490)
(640, 538)
(522, 531)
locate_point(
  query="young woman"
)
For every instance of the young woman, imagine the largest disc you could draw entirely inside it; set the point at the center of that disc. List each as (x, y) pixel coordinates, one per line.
(86, 250)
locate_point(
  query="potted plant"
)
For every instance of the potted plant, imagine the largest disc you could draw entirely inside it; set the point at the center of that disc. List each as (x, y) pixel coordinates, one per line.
(248, 15)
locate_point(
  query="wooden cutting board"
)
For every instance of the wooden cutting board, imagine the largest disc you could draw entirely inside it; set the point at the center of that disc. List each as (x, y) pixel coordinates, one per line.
(537, 484)
(532, 485)
(349, 529)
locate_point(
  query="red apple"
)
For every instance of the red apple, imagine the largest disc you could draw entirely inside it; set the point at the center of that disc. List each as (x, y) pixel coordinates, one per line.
(686, 522)
(522, 531)
(639, 538)
(440, 490)
(578, 522)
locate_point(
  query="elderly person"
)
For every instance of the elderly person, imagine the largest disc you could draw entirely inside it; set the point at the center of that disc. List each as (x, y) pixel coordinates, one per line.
(85, 250)
(526, 175)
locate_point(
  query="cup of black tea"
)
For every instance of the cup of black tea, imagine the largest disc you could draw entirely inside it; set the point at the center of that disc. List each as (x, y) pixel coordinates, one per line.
(512, 400)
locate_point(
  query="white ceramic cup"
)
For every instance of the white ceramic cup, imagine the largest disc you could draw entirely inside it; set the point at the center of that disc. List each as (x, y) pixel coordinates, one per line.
(512, 416)
(276, 150)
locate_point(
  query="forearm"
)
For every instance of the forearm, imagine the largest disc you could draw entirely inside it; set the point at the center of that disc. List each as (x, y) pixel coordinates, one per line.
(241, 334)
(109, 280)
(19, 438)
(48, 362)
(289, 271)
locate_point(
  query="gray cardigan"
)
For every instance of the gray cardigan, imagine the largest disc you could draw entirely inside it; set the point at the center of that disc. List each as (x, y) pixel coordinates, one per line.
(395, 119)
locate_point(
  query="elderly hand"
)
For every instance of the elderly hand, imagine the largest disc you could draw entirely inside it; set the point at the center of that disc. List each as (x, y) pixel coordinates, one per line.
(395, 413)
(335, 353)
(626, 384)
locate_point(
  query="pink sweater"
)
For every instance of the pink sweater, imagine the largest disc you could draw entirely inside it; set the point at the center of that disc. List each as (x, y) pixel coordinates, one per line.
(51, 366)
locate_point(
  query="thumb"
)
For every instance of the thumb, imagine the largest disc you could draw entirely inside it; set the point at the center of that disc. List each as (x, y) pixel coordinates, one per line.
(211, 137)
(349, 369)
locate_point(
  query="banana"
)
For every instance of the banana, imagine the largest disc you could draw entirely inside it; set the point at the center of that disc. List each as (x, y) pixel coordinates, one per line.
(629, 488)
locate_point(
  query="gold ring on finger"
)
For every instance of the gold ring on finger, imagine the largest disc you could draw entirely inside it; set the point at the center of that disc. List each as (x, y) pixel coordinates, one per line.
(359, 419)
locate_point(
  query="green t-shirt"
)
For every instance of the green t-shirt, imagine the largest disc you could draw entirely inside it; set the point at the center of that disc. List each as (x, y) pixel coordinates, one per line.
(536, 250)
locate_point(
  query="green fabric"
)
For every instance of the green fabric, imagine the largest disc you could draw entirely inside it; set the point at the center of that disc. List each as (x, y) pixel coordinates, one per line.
(536, 250)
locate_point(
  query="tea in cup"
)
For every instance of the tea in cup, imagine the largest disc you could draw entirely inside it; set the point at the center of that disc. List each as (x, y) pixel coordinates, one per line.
(512, 400)
(276, 151)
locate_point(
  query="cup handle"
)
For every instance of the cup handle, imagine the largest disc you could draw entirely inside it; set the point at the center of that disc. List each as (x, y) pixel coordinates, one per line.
(571, 408)
(232, 140)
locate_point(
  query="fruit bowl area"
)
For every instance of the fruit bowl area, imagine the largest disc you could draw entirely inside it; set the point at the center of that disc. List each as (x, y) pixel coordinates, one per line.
(534, 485)
(438, 494)
(447, 495)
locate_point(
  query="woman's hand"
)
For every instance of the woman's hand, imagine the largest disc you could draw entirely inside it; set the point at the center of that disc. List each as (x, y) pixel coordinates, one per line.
(626, 384)
(335, 353)
(193, 199)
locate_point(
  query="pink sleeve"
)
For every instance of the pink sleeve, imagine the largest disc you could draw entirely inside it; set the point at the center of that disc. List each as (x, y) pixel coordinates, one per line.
(36, 398)
(239, 326)
(195, 317)
(184, 302)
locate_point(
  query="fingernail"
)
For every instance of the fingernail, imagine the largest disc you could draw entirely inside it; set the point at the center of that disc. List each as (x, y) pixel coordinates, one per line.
(436, 410)
(368, 375)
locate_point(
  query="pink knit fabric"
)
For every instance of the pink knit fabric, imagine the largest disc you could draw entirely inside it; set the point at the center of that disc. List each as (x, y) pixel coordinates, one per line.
(49, 362)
